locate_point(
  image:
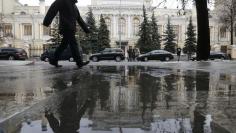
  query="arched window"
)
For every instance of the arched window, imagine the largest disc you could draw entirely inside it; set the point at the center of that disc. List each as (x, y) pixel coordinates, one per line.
(136, 24)
(222, 32)
(122, 26)
(108, 22)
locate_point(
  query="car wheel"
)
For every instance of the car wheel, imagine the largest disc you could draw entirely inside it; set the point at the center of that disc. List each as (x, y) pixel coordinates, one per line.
(11, 57)
(95, 59)
(167, 58)
(118, 58)
(145, 59)
(46, 59)
(71, 59)
(222, 58)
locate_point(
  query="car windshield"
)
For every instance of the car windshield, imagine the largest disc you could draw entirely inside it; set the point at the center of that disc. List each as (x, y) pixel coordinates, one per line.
(157, 51)
(106, 50)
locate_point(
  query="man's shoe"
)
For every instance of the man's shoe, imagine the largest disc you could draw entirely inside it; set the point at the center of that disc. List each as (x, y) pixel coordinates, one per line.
(54, 63)
(80, 65)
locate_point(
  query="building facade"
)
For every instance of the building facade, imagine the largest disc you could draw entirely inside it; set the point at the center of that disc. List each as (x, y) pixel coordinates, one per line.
(21, 25)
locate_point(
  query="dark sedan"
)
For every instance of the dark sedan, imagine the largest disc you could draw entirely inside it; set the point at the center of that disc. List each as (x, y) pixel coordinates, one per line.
(66, 55)
(13, 54)
(116, 54)
(214, 55)
(161, 55)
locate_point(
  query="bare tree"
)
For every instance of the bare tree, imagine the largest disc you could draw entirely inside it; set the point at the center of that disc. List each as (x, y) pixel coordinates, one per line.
(203, 38)
(227, 15)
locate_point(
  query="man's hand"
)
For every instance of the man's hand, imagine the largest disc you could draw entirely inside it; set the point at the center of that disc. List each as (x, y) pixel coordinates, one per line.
(45, 25)
(88, 30)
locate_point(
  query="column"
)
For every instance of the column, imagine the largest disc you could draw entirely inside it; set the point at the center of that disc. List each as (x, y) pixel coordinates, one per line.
(129, 27)
(36, 30)
(17, 30)
(114, 26)
(40, 31)
(21, 31)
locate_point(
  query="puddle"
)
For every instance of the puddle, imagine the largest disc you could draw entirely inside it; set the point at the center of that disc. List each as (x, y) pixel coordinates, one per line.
(132, 100)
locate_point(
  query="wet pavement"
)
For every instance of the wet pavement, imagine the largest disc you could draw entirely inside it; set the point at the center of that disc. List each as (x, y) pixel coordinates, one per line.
(119, 99)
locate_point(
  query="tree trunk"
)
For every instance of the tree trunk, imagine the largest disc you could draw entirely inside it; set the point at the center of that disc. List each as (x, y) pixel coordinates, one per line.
(232, 27)
(203, 42)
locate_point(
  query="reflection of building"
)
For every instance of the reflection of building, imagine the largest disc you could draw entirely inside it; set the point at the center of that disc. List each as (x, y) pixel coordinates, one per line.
(24, 23)
(179, 107)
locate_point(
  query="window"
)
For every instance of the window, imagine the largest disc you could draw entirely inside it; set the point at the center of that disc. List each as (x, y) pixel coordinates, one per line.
(222, 32)
(7, 30)
(176, 31)
(108, 22)
(46, 31)
(122, 25)
(159, 29)
(211, 33)
(136, 25)
(28, 30)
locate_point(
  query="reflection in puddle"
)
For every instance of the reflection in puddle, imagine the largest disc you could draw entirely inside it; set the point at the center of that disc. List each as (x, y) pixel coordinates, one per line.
(134, 99)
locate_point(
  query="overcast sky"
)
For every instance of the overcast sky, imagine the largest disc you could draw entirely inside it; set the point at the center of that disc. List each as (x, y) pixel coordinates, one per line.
(88, 2)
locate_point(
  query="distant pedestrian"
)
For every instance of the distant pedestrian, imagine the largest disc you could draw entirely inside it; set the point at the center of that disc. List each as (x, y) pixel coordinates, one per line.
(133, 54)
(178, 53)
(130, 54)
(137, 52)
(68, 15)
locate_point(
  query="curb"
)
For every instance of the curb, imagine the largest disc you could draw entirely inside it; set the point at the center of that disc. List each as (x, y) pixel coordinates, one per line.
(17, 63)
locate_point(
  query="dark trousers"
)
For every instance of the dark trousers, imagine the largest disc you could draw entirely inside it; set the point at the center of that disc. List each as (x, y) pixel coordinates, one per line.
(69, 39)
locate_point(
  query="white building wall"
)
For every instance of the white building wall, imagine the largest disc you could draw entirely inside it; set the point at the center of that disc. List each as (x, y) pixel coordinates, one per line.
(34, 15)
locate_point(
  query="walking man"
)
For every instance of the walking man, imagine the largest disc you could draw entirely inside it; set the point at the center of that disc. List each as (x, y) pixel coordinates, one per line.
(178, 53)
(68, 15)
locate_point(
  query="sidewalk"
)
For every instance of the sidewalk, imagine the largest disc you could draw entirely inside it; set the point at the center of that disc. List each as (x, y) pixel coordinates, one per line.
(15, 63)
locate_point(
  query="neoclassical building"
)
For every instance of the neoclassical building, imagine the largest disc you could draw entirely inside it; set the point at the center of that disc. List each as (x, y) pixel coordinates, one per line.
(21, 25)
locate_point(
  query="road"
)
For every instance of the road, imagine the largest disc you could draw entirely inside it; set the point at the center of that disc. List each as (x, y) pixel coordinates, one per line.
(191, 93)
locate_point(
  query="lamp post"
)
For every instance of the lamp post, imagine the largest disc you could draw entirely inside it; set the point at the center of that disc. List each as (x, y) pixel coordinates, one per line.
(119, 21)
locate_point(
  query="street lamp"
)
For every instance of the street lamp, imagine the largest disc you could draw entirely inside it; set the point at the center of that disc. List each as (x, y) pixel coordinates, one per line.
(120, 25)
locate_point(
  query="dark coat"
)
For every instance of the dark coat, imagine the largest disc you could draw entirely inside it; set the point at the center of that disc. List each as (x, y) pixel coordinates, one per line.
(68, 15)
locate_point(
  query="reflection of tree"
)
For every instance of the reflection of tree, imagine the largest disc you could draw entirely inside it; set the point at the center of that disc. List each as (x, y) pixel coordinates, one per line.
(98, 88)
(202, 81)
(189, 81)
(169, 80)
(148, 89)
(202, 87)
(103, 92)
(89, 86)
(170, 83)
(70, 114)
(198, 123)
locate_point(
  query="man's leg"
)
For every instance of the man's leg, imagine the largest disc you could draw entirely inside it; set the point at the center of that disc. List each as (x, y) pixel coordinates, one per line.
(58, 52)
(75, 50)
(61, 48)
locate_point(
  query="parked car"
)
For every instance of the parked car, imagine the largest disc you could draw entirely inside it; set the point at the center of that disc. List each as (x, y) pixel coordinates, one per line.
(213, 56)
(116, 54)
(161, 55)
(13, 54)
(66, 55)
